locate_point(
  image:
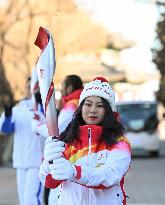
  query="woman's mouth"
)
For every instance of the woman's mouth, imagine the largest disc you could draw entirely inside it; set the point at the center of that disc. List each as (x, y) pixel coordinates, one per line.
(92, 118)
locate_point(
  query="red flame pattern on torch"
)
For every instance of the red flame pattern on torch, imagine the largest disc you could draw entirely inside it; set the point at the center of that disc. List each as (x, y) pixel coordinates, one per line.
(49, 95)
(42, 39)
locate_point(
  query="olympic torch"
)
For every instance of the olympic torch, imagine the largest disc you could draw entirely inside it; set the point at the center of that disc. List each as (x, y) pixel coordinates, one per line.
(45, 71)
(34, 87)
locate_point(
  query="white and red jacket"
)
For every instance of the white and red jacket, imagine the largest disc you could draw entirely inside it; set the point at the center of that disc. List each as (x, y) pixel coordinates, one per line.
(100, 170)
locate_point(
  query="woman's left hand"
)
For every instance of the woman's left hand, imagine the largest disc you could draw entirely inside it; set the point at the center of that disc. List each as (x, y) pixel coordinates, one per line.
(62, 169)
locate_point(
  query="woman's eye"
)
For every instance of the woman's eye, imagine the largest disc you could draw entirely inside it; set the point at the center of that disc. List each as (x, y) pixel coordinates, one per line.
(87, 104)
(100, 105)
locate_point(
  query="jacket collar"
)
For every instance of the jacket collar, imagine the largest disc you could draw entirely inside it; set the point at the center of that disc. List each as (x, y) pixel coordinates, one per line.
(96, 132)
(71, 96)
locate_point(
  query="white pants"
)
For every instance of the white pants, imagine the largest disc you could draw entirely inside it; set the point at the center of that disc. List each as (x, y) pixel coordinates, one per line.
(29, 186)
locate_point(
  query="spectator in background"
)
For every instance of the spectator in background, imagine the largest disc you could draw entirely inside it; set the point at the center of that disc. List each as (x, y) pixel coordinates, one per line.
(27, 154)
(71, 88)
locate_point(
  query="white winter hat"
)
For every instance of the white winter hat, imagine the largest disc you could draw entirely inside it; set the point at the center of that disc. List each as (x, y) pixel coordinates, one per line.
(99, 87)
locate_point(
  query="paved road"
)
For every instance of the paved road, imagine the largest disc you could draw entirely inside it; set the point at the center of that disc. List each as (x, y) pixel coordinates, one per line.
(8, 192)
(144, 184)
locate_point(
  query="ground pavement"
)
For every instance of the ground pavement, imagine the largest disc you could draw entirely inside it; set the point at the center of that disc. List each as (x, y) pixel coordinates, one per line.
(8, 192)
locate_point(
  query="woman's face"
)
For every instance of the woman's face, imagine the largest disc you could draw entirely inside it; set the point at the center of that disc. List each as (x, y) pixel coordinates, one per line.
(93, 110)
(66, 90)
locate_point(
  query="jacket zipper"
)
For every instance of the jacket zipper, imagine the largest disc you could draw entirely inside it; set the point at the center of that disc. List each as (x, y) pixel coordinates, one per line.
(89, 141)
(89, 144)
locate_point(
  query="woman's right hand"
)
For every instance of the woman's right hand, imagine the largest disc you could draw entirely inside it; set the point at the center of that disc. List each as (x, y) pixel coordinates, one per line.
(53, 149)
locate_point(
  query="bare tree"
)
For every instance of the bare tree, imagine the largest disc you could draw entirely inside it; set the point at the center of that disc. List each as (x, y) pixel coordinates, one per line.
(5, 89)
(19, 23)
(159, 51)
(16, 23)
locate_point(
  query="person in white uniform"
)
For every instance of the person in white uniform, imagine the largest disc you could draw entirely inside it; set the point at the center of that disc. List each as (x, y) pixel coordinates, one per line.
(27, 149)
(96, 157)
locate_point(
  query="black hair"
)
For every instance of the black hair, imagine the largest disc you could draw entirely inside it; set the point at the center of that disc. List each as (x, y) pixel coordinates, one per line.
(75, 81)
(112, 128)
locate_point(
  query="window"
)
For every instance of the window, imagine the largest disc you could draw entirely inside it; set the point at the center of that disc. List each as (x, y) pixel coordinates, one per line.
(138, 116)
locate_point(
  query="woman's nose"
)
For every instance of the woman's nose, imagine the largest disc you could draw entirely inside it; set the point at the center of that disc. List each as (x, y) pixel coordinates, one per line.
(93, 109)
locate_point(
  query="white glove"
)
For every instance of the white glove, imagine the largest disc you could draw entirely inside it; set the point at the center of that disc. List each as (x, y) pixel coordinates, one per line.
(62, 169)
(53, 149)
(44, 171)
